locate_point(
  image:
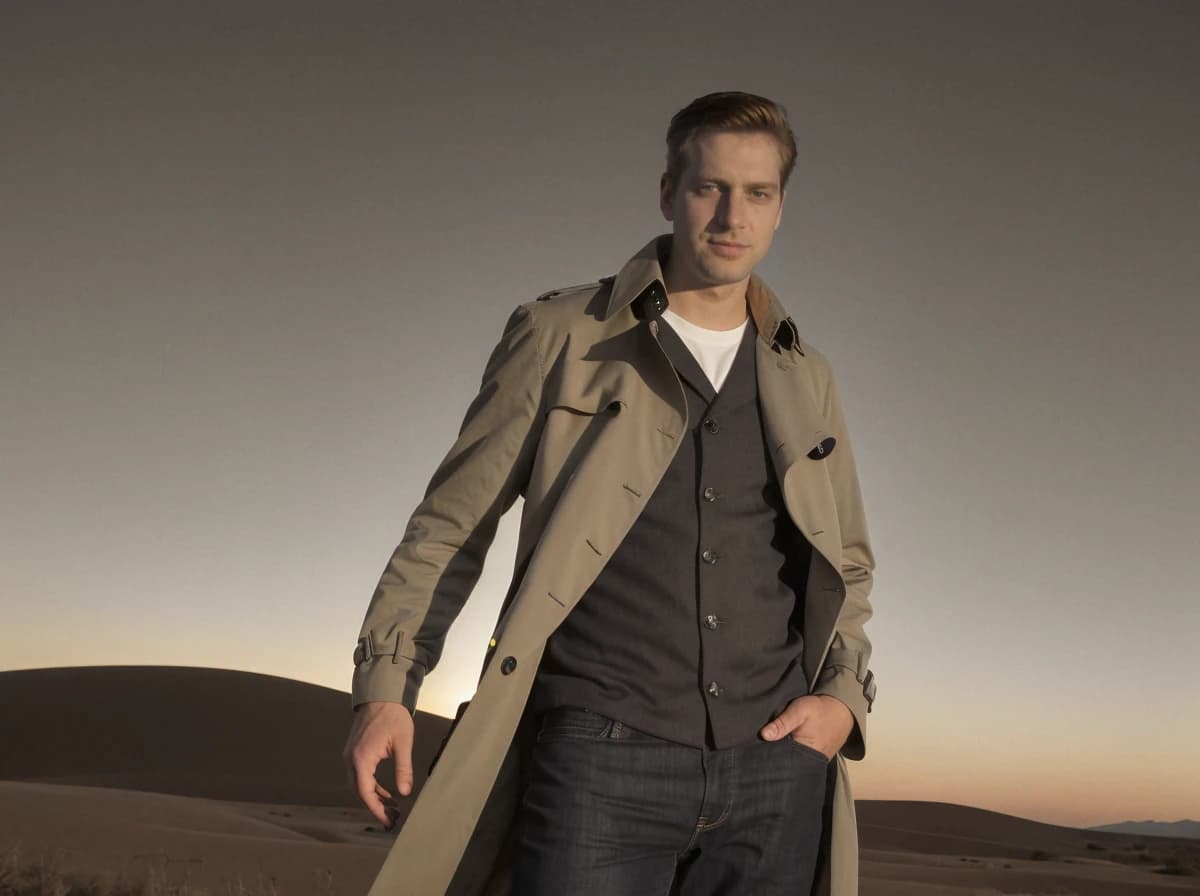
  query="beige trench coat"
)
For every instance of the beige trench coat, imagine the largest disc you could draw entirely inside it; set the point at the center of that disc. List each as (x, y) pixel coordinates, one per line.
(580, 412)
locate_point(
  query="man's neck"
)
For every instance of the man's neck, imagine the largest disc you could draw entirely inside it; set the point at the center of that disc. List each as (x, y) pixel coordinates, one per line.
(712, 307)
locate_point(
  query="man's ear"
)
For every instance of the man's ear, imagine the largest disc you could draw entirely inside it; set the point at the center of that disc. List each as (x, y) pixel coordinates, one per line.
(665, 197)
(779, 215)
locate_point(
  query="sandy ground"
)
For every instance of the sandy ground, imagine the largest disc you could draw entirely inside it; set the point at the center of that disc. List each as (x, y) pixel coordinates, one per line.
(219, 846)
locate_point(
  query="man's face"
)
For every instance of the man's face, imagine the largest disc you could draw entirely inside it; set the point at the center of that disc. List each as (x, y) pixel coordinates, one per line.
(725, 208)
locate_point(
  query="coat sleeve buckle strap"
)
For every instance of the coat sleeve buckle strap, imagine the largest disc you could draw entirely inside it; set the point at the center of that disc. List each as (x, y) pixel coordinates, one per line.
(366, 649)
(362, 651)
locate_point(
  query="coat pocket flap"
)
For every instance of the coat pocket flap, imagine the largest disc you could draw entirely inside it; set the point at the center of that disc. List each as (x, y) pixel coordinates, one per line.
(589, 407)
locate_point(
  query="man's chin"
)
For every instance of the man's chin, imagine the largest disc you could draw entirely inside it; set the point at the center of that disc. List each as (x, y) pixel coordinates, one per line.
(726, 274)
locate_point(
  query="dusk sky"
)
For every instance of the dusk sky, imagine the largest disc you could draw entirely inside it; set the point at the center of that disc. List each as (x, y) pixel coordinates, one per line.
(254, 258)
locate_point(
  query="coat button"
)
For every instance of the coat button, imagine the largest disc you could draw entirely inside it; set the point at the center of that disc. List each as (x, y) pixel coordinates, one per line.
(715, 689)
(710, 494)
(507, 665)
(711, 621)
(823, 448)
(709, 556)
(712, 425)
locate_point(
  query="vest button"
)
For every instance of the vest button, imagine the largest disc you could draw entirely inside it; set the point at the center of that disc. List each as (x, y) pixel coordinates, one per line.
(711, 621)
(507, 665)
(709, 556)
(710, 494)
(715, 689)
(712, 425)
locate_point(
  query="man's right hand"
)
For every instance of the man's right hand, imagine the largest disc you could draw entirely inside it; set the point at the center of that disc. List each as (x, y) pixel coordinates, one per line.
(380, 729)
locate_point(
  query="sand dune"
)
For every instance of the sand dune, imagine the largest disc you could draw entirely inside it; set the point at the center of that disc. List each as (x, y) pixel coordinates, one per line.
(965, 830)
(231, 782)
(195, 732)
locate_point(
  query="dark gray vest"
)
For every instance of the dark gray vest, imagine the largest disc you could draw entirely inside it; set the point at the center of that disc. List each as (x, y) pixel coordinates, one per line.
(692, 631)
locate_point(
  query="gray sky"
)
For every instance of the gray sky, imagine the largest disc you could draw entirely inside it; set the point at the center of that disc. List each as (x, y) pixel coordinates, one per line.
(255, 257)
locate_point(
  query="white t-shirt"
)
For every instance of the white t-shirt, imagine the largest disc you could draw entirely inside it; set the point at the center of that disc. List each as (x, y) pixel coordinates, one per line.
(713, 349)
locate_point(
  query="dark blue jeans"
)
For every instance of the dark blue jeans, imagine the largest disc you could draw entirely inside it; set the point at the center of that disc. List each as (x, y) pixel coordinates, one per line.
(614, 811)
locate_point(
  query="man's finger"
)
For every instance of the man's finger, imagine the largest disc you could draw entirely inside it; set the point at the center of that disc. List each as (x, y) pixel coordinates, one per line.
(404, 770)
(785, 723)
(365, 776)
(389, 805)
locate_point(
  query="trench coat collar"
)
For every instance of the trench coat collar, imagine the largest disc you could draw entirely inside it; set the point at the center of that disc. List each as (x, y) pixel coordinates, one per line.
(640, 274)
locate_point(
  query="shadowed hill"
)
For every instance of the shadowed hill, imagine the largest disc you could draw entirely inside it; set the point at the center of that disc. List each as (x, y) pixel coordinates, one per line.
(213, 733)
(950, 829)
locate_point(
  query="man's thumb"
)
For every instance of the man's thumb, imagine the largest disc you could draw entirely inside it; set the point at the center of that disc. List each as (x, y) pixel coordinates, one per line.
(782, 724)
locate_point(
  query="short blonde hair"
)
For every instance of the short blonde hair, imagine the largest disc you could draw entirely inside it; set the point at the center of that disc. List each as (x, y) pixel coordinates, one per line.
(728, 111)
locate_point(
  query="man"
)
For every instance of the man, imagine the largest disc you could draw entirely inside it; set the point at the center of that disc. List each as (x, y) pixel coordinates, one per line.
(680, 669)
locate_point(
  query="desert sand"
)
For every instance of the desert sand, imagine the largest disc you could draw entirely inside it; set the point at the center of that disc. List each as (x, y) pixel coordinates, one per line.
(197, 781)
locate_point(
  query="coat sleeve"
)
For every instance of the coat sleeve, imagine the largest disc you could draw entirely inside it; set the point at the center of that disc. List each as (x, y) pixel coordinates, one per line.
(845, 674)
(437, 563)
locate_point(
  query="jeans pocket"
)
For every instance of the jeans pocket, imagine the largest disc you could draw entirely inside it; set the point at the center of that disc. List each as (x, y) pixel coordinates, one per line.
(573, 723)
(813, 752)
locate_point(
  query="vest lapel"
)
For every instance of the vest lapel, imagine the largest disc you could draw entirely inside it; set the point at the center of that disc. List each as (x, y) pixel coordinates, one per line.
(685, 362)
(740, 384)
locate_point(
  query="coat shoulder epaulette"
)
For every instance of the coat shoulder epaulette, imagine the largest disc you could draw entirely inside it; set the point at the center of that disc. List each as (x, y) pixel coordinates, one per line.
(564, 290)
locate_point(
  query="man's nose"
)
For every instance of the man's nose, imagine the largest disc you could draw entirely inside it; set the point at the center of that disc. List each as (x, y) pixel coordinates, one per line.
(731, 210)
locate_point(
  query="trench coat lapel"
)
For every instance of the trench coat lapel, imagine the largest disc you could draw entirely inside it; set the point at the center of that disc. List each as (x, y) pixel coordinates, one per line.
(798, 436)
(641, 418)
